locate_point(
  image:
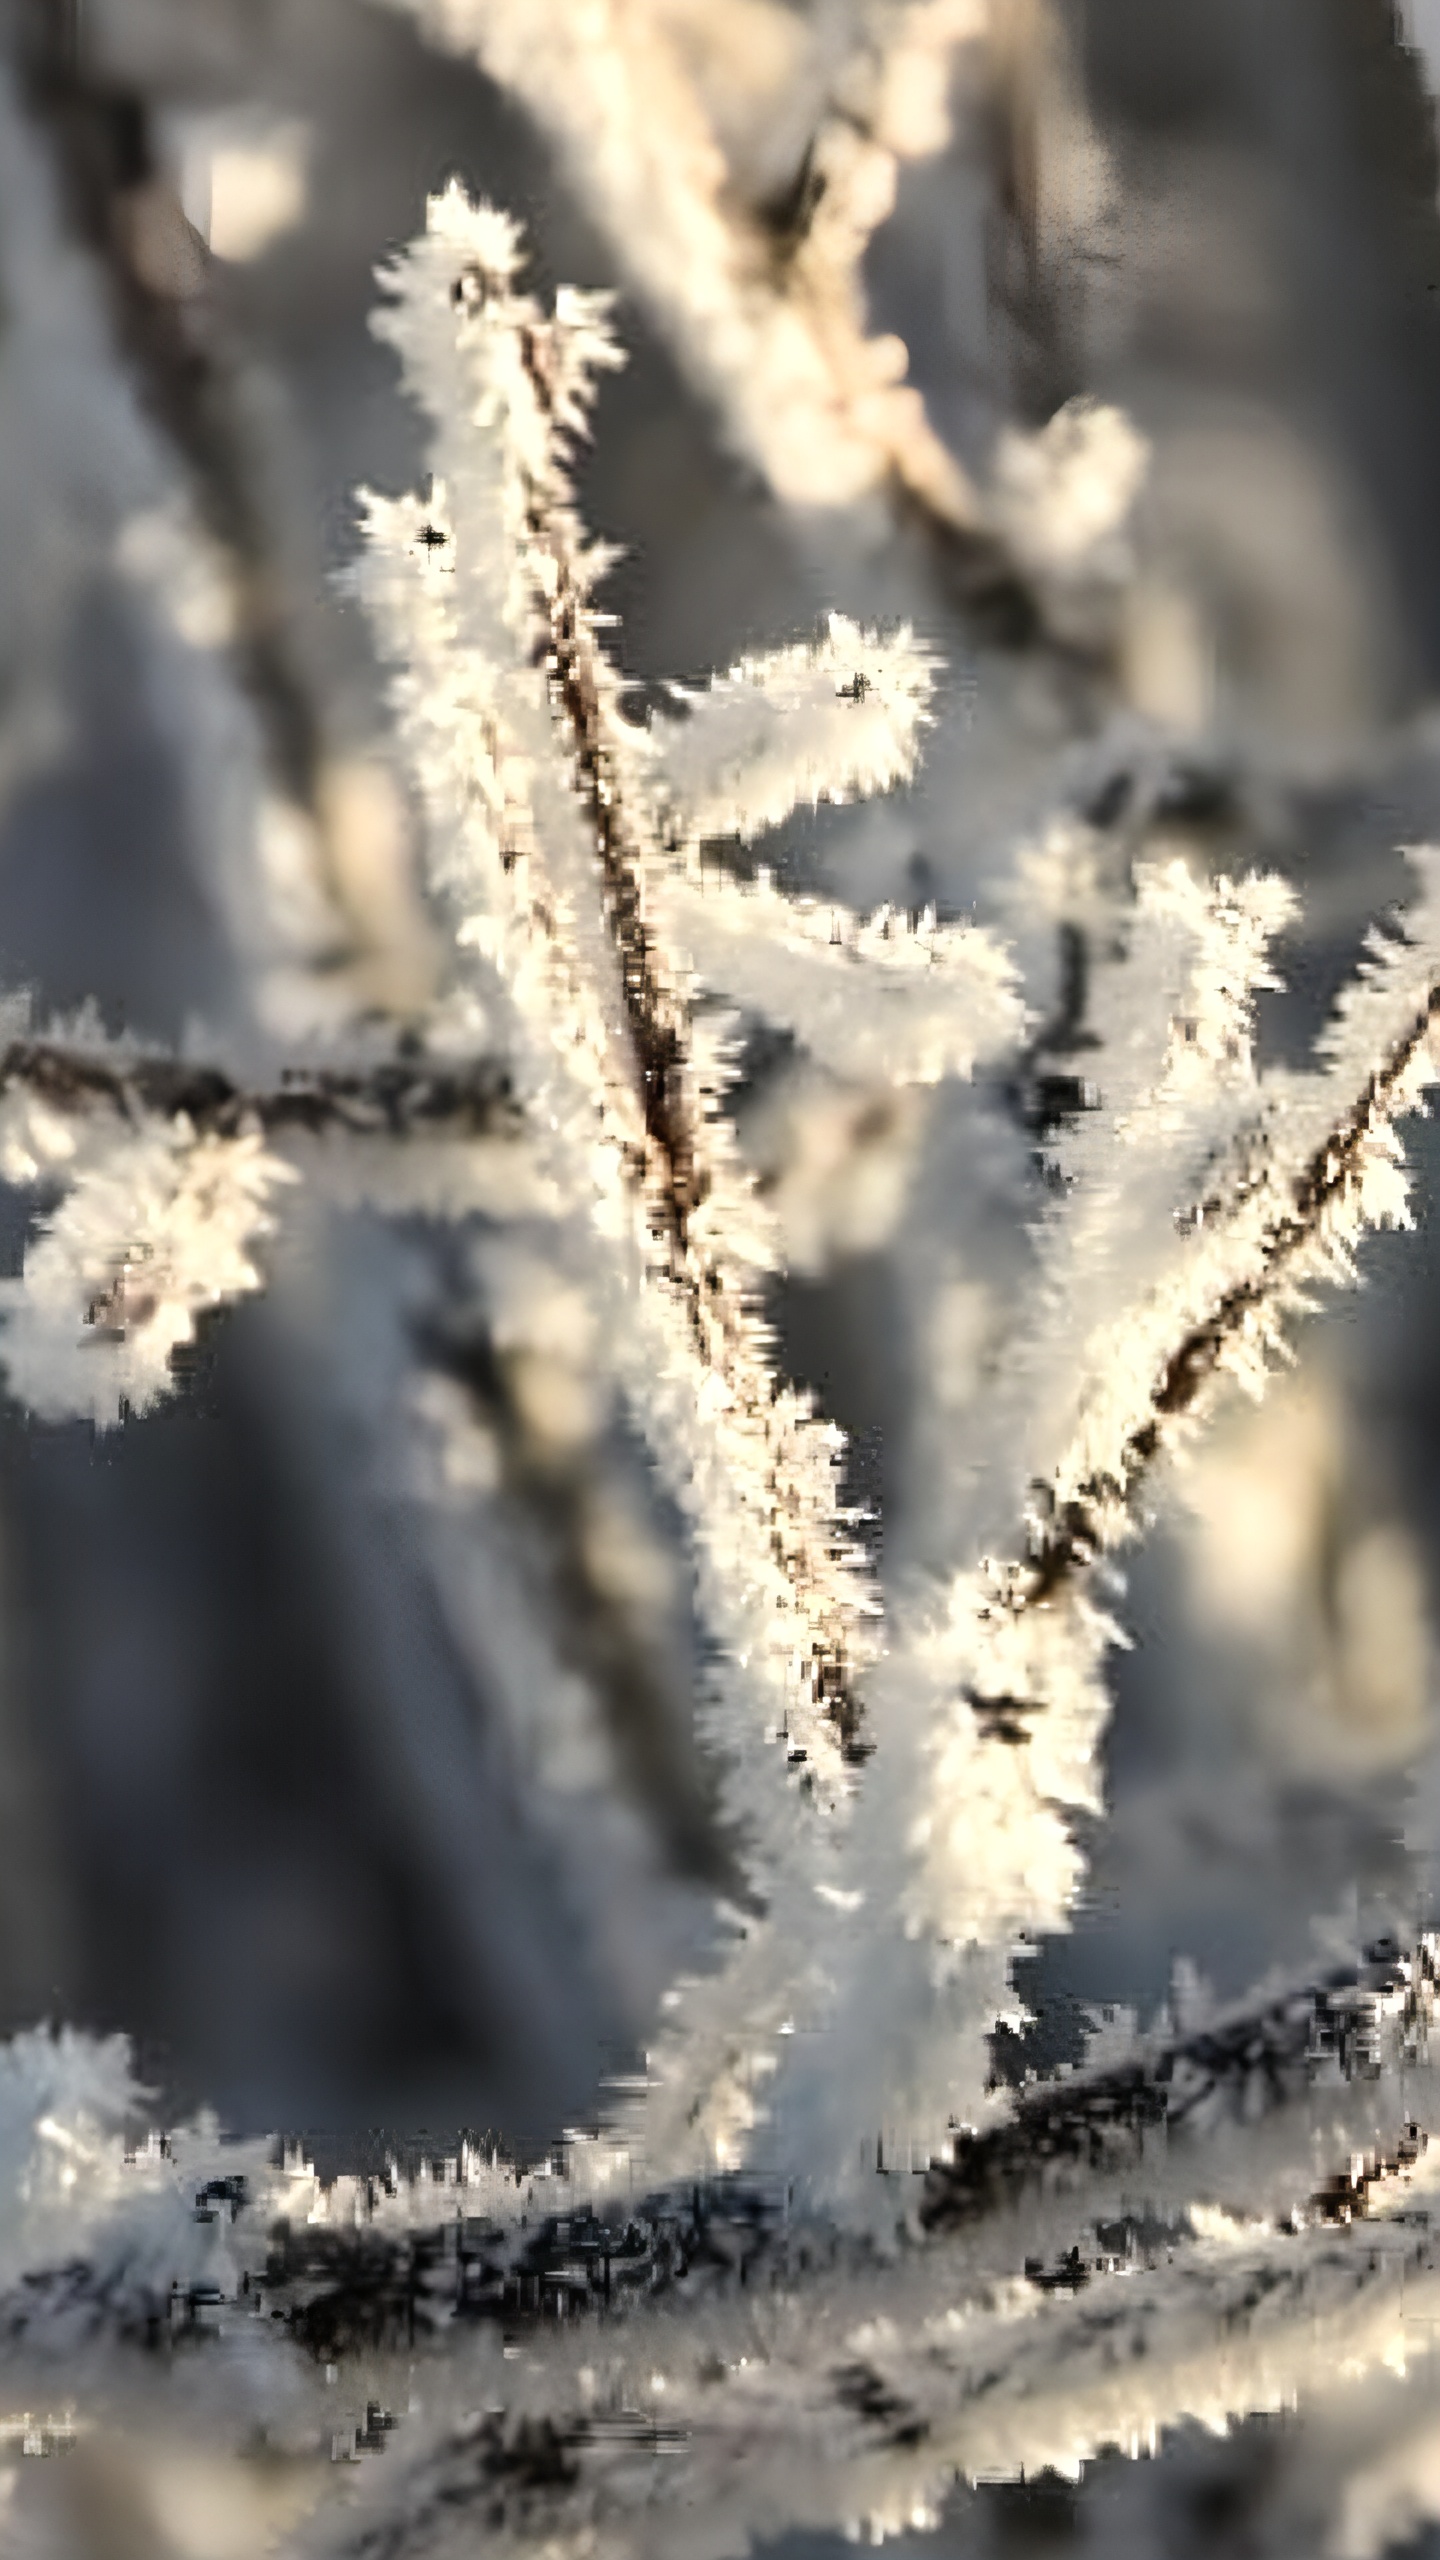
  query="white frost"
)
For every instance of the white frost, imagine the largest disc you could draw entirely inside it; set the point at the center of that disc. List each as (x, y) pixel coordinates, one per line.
(157, 1226)
(834, 720)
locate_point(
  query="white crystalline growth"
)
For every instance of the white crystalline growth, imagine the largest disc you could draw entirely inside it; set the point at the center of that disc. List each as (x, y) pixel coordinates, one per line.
(875, 998)
(158, 1225)
(834, 720)
(1063, 498)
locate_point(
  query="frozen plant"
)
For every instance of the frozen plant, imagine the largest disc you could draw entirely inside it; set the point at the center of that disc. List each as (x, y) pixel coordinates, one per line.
(815, 2266)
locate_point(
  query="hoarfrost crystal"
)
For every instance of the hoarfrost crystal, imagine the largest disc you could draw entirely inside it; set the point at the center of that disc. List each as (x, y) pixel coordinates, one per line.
(158, 1225)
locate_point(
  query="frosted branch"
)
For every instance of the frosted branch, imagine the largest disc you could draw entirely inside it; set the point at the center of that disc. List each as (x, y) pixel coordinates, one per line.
(778, 340)
(1172, 1090)
(167, 1182)
(1234, 2215)
(1315, 1159)
(157, 1225)
(1318, 1161)
(836, 720)
(395, 1097)
(551, 841)
(991, 1694)
(550, 863)
(878, 999)
(840, 719)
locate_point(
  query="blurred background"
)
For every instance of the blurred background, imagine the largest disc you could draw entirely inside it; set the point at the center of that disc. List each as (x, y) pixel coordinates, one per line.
(345, 1755)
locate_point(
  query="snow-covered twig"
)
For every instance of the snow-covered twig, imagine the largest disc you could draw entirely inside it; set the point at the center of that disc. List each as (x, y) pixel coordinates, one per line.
(162, 1173)
(769, 315)
(553, 828)
(401, 1097)
(991, 1693)
(1197, 2231)
(834, 721)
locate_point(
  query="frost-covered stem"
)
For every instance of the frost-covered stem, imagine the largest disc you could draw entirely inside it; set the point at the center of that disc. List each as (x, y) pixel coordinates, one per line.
(1237, 2213)
(676, 1179)
(1068, 2146)
(161, 1175)
(991, 1699)
(1079, 1529)
(579, 682)
(827, 2421)
(1066, 2151)
(1243, 2063)
(397, 1097)
(550, 818)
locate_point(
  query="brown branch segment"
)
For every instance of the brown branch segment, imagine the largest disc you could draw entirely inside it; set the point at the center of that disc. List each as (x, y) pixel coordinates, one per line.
(1255, 2060)
(1072, 1534)
(728, 1332)
(758, 2324)
(1078, 1531)
(347, 2291)
(341, 2289)
(399, 1097)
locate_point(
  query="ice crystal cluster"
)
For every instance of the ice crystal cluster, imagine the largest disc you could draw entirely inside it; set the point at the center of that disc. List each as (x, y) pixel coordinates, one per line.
(814, 2264)
(157, 1228)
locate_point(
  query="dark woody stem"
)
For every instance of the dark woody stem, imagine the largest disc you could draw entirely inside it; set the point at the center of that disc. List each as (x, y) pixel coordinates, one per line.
(675, 1177)
(1071, 1537)
(397, 1098)
(376, 2287)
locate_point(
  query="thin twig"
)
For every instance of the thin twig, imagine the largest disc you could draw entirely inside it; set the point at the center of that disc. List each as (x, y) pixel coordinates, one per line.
(397, 1098)
(712, 2343)
(1079, 1531)
(728, 1333)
